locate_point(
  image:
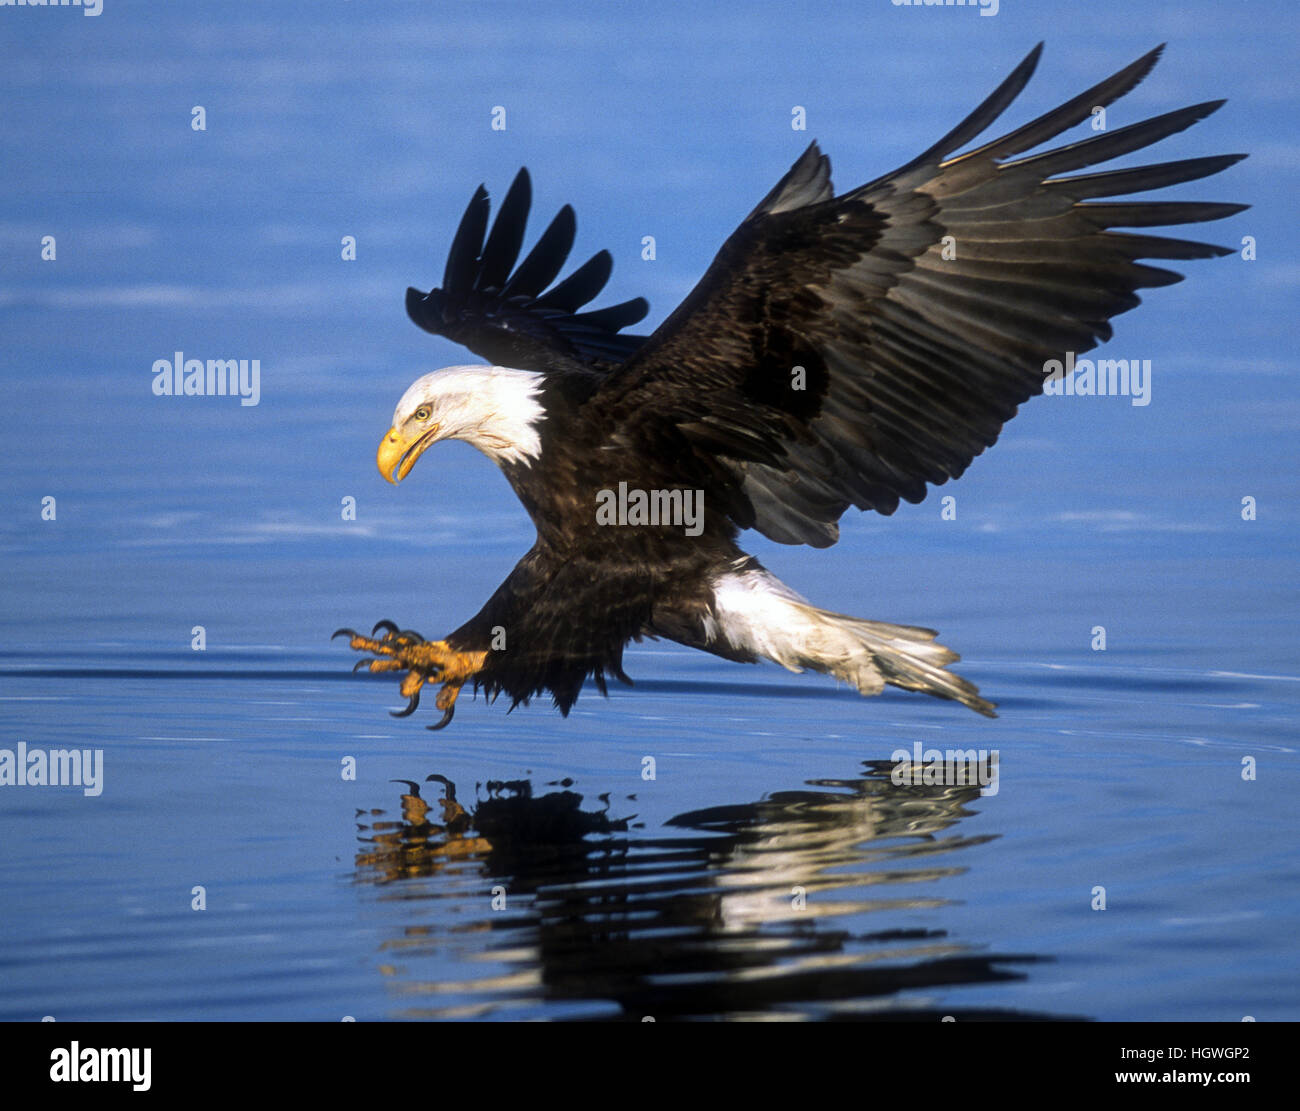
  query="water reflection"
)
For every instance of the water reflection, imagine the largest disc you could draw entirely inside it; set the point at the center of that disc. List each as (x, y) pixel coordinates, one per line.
(793, 906)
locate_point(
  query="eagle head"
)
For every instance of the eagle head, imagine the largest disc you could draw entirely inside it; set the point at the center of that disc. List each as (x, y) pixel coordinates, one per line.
(494, 408)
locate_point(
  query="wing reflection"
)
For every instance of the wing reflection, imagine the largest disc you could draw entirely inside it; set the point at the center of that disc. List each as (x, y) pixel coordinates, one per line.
(795, 906)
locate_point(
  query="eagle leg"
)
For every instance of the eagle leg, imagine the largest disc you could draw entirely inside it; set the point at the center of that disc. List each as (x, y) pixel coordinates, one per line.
(422, 660)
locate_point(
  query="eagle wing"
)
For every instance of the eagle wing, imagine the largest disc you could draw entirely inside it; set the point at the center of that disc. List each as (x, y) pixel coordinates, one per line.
(500, 312)
(851, 350)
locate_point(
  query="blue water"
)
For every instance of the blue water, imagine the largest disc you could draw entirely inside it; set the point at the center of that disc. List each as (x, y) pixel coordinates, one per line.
(771, 866)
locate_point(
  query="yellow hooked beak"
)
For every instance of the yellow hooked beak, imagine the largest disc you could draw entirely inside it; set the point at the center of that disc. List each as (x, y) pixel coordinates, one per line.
(401, 452)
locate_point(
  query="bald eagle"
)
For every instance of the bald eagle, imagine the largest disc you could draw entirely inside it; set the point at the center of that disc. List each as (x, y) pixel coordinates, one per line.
(839, 351)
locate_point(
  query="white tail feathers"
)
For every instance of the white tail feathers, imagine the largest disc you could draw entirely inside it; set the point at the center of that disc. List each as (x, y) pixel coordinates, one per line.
(869, 654)
(757, 613)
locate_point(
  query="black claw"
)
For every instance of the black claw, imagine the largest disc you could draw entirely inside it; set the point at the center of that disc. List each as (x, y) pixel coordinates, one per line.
(446, 719)
(349, 633)
(410, 707)
(415, 787)
(385, 624)
(359, 665)
(451, 787)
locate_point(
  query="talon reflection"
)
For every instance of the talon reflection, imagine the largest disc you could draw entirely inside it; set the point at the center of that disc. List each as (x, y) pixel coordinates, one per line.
(838, 897)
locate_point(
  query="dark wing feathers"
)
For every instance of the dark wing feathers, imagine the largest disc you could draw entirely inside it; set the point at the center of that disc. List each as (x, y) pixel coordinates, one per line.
(468, 240)
(808, 182)
(506, 318)
(911, 359)
(1040, 130)
(543, 264)
(580, 286)
(506, 237)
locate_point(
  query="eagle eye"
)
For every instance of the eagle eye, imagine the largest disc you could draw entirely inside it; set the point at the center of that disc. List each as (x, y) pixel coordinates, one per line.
(422, 413)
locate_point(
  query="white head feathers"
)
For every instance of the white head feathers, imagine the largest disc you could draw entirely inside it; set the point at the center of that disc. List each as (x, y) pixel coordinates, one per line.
(495, 408)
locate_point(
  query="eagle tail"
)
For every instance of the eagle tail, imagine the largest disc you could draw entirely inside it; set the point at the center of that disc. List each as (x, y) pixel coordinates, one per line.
(869, 654)
(758, 616)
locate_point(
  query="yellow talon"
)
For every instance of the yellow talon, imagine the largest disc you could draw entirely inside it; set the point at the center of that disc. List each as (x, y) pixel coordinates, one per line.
(423, 661)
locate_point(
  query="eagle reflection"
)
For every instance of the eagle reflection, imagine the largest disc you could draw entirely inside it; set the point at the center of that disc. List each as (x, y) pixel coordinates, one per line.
(744, 910)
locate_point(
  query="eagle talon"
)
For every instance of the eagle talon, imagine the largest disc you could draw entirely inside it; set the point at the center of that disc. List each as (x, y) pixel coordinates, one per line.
(349, 633)
(411, 706)
(423, 662)
(447, 715)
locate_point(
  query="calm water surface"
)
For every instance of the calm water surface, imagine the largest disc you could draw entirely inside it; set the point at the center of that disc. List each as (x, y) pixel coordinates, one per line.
(771, 866)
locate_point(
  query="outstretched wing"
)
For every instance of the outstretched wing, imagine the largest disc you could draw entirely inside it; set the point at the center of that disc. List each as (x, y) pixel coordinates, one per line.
(848, 351)
(505, 317)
